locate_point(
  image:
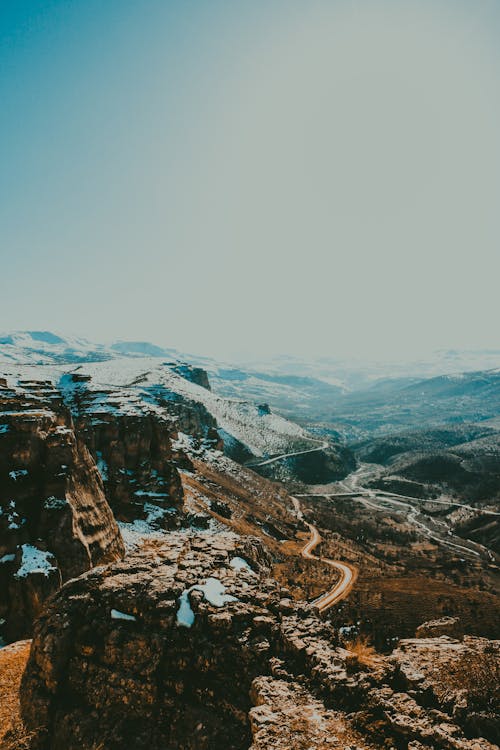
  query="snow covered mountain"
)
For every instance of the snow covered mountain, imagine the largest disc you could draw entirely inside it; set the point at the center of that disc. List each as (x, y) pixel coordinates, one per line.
(45, 347)
(118, 380)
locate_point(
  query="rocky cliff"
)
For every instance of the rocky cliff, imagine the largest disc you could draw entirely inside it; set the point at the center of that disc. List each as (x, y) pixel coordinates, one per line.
(76, 440)
(190, 644)
(55, 522)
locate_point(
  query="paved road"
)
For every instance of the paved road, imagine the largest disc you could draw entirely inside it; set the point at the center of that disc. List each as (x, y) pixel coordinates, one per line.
(348, 573)
(409, 506)
(321, 447)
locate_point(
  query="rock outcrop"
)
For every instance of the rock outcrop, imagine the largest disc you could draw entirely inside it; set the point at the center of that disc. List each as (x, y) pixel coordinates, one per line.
(185, 645)
(194, 374)
(55, 522)
(133, 436)
(136, 669)
(462, 677)
(449, 626)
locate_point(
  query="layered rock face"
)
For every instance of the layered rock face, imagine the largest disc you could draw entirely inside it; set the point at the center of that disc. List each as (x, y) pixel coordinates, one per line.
(194, 374)
(133, 673)
(135, 458)
(189, 644)
(134, 439)
(55, 522)
(69, 446)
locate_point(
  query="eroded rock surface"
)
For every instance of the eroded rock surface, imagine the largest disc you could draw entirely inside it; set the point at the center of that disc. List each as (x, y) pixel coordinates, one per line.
(449, 626)
(133, 435)
(187, 644)
(55, 522)
(462, 676)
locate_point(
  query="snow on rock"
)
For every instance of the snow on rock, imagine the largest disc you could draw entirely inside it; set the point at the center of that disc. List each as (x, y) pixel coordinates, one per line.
(155, 512)
(183, 443)
(102, 465)
(15, 521)
(54, 503)
(117, 615)
(35, 560)
(185, 615)
(136, 533)
(261, 433)
(17, 474)
(141, 385)
(238, 563)
(212, 590)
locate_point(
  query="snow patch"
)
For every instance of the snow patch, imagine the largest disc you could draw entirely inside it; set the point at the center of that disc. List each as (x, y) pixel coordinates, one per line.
(183, 442)
(154, 512)
(62, 430)
(134, 534)
(185, 615)
(54, 503)
(212, 590)
(117, 615)
(102, 466)
(239, 563)
(35, 560)
(17, 474)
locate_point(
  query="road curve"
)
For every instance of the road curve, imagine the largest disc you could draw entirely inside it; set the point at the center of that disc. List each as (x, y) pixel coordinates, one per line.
(348, 573)
(323, 446)
(367, 496)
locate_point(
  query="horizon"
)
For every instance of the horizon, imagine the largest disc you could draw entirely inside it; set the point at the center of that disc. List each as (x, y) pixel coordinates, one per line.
(249, 374)
(320, 179)
(464, 360)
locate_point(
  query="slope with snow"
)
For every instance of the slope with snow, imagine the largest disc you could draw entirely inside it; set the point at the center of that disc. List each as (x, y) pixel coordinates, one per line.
(136, 385)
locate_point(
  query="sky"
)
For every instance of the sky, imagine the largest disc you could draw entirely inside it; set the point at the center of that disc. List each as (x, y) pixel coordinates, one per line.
(253, 177)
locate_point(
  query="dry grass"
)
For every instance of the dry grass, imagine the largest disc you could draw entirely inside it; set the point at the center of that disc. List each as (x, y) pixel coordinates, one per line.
(362, 654)
(13, 658)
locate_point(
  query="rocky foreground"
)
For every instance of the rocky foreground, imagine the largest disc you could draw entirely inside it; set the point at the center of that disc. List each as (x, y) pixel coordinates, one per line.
(190, 644)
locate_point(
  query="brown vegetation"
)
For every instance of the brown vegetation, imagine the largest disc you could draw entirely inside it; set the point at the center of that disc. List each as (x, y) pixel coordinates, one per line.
(13, 658)
(362, 654)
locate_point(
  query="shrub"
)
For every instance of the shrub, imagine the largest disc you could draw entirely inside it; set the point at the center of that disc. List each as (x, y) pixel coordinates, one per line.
(362, 654)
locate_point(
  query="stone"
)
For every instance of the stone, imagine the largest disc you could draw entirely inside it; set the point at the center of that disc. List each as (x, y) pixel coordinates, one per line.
(449, 626)
(243, 674)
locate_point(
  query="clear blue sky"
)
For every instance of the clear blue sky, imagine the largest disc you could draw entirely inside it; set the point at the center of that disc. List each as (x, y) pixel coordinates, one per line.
(257, 176)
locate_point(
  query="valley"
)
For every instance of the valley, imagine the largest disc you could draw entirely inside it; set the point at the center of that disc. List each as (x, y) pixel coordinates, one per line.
(134, 494)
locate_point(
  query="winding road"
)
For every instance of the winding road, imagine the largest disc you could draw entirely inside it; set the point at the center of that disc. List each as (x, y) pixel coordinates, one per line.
(348, 573)
(409, 507)
(321, 447)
